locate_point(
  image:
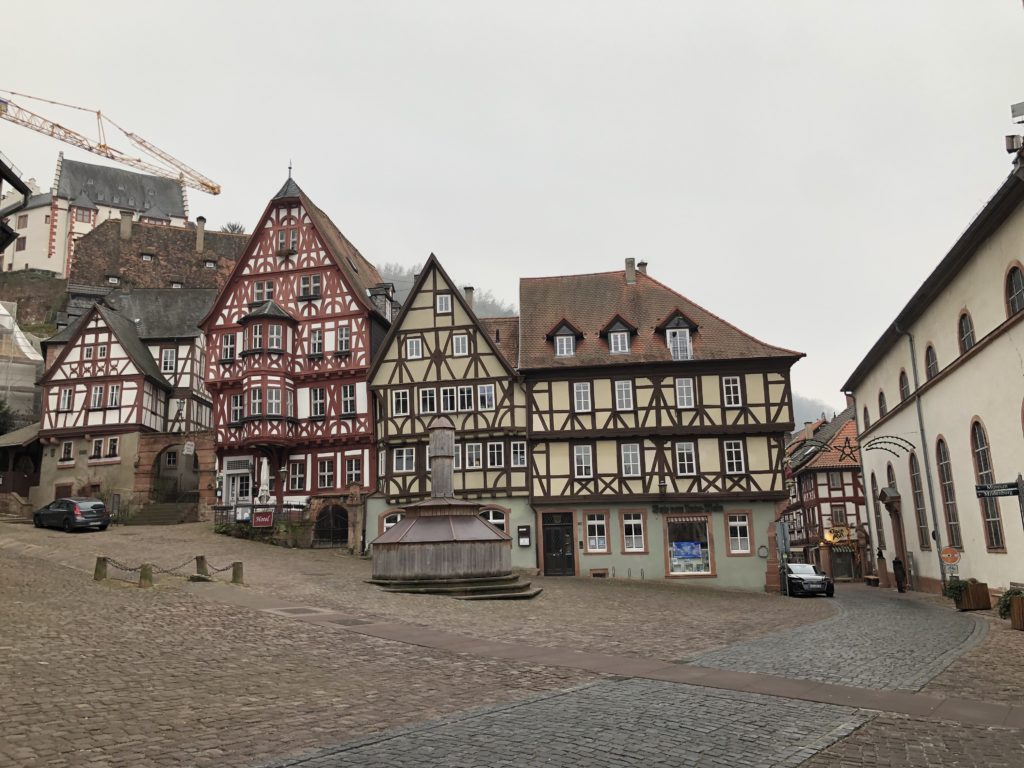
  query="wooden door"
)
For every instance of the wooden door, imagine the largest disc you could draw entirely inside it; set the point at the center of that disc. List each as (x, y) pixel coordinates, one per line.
(559, 549)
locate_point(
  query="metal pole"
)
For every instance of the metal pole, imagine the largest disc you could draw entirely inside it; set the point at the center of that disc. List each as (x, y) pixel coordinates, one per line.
(1020, 496)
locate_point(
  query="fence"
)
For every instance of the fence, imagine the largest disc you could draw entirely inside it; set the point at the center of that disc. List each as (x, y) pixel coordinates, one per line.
(227, 514)
(146, 570)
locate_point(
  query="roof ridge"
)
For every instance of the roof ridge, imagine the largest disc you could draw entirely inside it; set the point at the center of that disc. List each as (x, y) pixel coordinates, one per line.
(574, 274)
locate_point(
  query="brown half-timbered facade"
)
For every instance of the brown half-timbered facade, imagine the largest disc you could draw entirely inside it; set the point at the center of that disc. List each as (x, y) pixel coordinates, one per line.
(291, 337)
(657, 430)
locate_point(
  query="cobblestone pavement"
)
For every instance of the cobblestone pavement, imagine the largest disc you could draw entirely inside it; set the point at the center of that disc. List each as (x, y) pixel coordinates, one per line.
(882, 639)
(991, 671)
(613, 723)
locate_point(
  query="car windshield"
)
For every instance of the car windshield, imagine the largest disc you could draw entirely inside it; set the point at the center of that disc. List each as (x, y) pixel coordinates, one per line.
(802, 569)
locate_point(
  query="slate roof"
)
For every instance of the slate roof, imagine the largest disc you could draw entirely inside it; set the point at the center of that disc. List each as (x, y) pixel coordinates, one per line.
(36, 201)
(267, 309)
(840, 435)
(127, 334)
(504, 335)
(163, 313)
(118, 188)
(590, 301)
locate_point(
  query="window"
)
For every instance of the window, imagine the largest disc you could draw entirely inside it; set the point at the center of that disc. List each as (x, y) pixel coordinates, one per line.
(168, 360)
(146, 256)
(495, 455)
(289, 403)
(400, 402)
(97, 449)
(689, 545)
(624, 395)
(22, 220)
(731, 392)
(88, 353)
(965, 332)
(317, 402)
(66, 398)
(96, 398)
(316, 341)
(443, 303)
(273, 401)
(227, 347)
(255, 402)
(466, 398)
(296, 475)
(293, 238)
(565, 345)
(867, 418)
(931, 363)
(171, 459)
(904, 386)
(21, 243)
(686, 459)
(582, 461)
(448, 401)
(353, 471)
(1014, 291)
(83, 215)
(281, 237)
(309, 287)
(474, 456)
(390, 521)
(878, 512)
(485, 397)
(114, 396)
(428, 400)
(739, 535)
(344, 339)
(175, 284)
(101, 351)
(496, 518)
(460, 345)
(923, 537)
(597, 532)
(948, 494)
(348, 399)
(237, 408)
(67, 450)
(882, 408)
(414, 348)
(835, 481)
(325, 473)
(518, 453)
(113, 444)
(630, 455)
(209, 264)
(618, 342)
(984, 474)
(581, 396)
(678, 340)
(275, 337)
(838, 512)
(684, 393)
(734, 461)
(633, 532)
(457, 459)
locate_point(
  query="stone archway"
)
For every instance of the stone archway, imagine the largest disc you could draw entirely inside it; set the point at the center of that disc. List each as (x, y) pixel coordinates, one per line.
(334, 510)
(204, 460)
(330, 529)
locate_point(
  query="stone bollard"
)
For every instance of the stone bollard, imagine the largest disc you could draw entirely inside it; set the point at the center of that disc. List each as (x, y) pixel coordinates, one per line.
(201, 568)
(100, 573)
(146, 575)
(236, 573)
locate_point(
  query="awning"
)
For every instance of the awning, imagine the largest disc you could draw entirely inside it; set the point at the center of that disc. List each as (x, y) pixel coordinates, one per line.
(20, 437)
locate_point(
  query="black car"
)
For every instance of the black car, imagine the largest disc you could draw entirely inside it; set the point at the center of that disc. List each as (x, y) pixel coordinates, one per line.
(805, 579)
(72, 514)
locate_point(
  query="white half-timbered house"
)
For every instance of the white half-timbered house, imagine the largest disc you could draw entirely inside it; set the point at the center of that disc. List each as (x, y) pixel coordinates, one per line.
(291, 336)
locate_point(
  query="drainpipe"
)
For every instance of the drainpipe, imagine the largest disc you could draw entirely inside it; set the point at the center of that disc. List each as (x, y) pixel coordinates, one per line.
(936, 531)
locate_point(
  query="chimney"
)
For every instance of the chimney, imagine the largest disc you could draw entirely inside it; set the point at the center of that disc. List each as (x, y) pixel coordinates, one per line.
(200, 233)
(126, 225)
(630, 271)
(641, 267)
(808, 430)
(442, 454)
(850, 402)
(467, 291)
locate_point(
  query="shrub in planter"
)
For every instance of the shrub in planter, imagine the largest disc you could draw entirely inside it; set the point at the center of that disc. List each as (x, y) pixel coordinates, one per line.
(955, 589)
(1004, 601)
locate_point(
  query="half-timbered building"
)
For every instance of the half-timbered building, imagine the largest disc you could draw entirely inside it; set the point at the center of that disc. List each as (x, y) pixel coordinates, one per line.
(657, 430)
(440, 358)
(131, 366)
(827, 517)
(291, 336)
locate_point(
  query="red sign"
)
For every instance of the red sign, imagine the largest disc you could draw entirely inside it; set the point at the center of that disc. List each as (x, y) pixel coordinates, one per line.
(263, 519)
(950, 555)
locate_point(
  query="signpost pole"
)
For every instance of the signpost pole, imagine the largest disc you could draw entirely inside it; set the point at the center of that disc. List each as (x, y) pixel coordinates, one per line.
(1020, 495)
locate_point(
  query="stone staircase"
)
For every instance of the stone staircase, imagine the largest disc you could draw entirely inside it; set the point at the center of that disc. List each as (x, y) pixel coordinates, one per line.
(165, 513)
(494, 588)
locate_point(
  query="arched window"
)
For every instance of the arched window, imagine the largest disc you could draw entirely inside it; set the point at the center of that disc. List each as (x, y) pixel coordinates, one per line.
(904, 386)
(931, 363)
(1014, 292)
(867, 418)
(919, 511)
(878, 511)
(496, 518)
(882, 408)
(984, 475)
(890, 475)
(948, 494)
(965, 332)
(392, 520)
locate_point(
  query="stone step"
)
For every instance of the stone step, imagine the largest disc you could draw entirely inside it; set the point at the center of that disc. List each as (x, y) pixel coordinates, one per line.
(397, 584)
(527, 595)
(488, 590)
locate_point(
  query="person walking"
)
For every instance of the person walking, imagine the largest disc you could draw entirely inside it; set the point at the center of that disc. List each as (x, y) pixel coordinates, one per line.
(900, 574)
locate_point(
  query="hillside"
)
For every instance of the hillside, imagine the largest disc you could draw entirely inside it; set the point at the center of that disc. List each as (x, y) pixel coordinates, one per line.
(40, 296)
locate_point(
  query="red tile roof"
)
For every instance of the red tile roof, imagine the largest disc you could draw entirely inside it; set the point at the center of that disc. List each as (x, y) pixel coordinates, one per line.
(504, 334)
(843, 450)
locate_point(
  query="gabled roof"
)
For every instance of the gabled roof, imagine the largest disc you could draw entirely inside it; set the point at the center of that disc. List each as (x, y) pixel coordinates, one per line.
(561, 325)
(119, 188)
(618, 322)
(840, 437)
(20, 437)
(586, 300)
(268, 309)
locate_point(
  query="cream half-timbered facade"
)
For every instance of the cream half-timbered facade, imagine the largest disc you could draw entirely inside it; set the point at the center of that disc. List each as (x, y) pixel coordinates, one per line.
(290, 339)
(441, 360)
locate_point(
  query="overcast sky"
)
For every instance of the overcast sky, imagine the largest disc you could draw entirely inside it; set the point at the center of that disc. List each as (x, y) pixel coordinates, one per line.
(796, 167)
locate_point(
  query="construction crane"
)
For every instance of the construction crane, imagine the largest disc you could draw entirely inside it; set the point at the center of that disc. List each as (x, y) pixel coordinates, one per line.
(172, 168)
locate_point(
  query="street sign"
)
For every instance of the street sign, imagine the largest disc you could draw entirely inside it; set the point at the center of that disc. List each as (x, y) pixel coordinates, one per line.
(263, 519)
(188, 449)
(951, 570)
(997, 489)
(950, 555)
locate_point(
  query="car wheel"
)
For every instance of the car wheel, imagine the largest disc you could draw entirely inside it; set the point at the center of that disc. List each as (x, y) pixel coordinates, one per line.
(36, 521)
(104, 527)
(67, 525)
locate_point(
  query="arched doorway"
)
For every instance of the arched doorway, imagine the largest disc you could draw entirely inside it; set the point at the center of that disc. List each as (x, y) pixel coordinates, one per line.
(331, 527)
(175, 475)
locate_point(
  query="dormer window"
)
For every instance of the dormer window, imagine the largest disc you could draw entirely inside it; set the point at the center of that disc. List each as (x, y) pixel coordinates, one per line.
(175, 284)
(565, 345)
(678, 340)
(618, 342)
(113, 279)
(146, 256)
(444, 304)
(209, 264)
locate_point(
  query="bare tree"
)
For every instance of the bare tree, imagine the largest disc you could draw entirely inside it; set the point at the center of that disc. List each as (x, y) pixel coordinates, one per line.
(234, 227)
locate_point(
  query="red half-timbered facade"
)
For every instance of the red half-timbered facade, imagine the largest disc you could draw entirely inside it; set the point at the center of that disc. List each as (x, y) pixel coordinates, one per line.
(290, 341)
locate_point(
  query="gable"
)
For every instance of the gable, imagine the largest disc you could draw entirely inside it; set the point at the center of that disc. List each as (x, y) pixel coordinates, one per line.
(80, 358)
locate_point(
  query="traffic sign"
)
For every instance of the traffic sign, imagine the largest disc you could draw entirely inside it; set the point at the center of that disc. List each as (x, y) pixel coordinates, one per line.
(951, 570)
(950, 555)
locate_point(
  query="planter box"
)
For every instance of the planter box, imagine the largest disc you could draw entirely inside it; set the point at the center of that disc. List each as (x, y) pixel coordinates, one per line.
(1017, 612)
(975, 598)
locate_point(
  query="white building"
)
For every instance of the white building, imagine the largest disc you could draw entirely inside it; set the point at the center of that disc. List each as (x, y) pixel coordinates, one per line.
(83, 196)
(947, 377)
